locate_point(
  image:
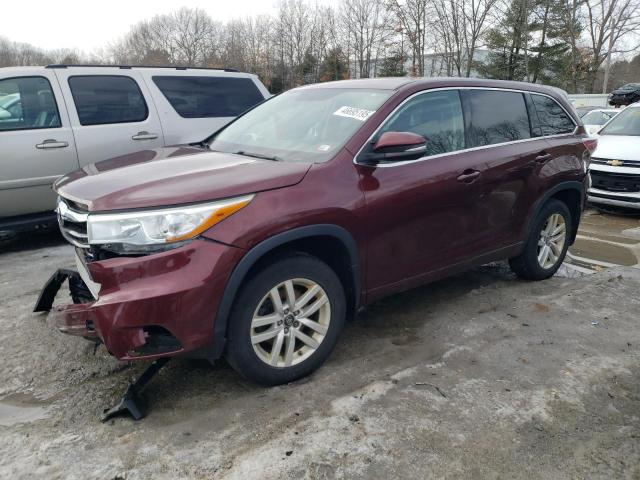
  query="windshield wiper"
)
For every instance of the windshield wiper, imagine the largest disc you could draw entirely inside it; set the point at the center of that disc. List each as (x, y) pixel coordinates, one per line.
(258, 155)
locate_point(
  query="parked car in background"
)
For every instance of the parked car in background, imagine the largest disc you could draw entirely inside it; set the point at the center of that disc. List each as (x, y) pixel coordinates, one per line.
(625, 95)
(615, 166)
(260, 242)
(595, 119)
(55, 119)
(582, 111)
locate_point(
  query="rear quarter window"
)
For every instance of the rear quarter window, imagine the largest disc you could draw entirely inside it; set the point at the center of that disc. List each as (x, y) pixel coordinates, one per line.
(495, 116)
(107, 99)
(552, 118)
(209, 97)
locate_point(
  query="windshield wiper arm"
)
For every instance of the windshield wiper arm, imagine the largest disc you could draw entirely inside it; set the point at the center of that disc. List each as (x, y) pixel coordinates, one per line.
(258, 155)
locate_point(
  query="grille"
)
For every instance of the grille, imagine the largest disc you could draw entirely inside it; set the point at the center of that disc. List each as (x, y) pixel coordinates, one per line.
(73, 223)
(615, 182)
(623, 163)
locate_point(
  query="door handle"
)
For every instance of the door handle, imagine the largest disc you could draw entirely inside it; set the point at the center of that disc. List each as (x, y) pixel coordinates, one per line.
(144, 135)
(51, 143)
(469, 176)
(543, 157)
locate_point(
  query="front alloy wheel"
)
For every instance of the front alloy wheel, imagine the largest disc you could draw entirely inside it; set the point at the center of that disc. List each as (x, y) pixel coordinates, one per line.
(290, 322)
(286, 319)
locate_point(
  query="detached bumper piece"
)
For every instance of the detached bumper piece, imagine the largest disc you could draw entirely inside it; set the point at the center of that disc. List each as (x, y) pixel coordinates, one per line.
(80, 293)
(131, 402)
(72, 318)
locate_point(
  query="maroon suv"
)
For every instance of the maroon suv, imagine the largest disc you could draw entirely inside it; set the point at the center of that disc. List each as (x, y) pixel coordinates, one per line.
(259, 242)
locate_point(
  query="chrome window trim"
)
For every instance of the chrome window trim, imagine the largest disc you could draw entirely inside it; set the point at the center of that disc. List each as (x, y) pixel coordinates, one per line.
(464, 150)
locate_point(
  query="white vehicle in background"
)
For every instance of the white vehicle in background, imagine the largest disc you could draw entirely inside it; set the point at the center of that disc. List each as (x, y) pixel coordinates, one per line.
(615, 164)
(595, 119)
(59, 118)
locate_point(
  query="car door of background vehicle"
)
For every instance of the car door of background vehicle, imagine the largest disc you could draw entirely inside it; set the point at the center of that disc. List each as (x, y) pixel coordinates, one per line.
(499, 130)
(111, 113)
(37, 144)
(421, 213)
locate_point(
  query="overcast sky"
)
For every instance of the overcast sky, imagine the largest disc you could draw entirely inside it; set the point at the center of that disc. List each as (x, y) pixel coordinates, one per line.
(90, 24)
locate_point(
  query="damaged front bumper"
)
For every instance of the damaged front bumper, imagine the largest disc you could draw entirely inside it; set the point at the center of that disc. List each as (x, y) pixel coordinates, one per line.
(70, 319)
(149, 306)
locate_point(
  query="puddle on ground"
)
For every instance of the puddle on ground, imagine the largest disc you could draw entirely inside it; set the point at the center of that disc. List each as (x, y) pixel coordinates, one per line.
(604, 240)
(21, 408)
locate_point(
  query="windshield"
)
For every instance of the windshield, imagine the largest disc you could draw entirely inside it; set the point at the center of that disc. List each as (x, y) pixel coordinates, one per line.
(597, 117)
(303, 125)
(626, 122)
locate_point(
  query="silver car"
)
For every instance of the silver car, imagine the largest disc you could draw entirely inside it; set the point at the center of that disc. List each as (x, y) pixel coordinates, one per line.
(59, 118)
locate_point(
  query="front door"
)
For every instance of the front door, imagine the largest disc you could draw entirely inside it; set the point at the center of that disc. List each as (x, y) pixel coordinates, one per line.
(421, 214)
(37, 144)
(111, 114)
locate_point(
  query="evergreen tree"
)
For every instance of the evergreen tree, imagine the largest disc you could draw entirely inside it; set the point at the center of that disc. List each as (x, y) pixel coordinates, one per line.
(393, 66)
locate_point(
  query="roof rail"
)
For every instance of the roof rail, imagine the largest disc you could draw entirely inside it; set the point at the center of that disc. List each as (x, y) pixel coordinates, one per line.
(129, 67)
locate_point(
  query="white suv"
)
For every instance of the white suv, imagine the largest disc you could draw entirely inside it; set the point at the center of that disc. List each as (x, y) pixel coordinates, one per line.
(58, 118)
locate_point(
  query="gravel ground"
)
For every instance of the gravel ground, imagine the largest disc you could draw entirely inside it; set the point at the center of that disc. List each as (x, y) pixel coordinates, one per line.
(477, 376)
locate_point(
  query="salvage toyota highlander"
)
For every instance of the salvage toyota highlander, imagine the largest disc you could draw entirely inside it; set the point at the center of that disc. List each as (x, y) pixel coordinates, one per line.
(259, 242)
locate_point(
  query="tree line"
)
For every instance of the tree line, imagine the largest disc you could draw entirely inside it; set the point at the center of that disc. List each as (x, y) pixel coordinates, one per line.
(578, 45)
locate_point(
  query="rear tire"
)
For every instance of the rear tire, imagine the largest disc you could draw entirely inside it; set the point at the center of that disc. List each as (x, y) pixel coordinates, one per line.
(546, 244)
(286, 320)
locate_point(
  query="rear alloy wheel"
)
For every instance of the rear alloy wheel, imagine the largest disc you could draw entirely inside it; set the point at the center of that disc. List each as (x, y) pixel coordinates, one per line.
(286, 320)
(553, 237)
(546, 245)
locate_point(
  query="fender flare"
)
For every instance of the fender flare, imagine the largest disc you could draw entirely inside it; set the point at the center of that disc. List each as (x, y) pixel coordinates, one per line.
(258, 252)
(562, 186)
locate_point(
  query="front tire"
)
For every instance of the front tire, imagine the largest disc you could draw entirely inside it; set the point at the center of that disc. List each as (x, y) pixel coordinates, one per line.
(546, 245)
(286, 320)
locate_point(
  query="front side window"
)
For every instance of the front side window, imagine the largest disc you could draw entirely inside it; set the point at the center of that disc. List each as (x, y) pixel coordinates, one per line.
(209, 97)
(27, 103)
(495, 116)
(437, 116)
(301, 125)
(106, 99)
(552, 118)
(626, 122)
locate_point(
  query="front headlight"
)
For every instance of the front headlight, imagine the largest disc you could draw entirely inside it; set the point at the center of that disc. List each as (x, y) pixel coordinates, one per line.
(161, 226)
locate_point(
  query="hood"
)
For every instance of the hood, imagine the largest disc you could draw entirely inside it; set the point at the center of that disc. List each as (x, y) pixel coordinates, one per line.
(174, 176)
(618, 147)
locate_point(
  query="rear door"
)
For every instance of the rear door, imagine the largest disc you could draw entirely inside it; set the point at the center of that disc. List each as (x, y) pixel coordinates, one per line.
(111, 112)
(564, 148)
(499, 130)
(193, 104)
(37, 144)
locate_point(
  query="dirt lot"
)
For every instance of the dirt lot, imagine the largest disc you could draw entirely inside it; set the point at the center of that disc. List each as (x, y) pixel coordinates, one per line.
(476, 376)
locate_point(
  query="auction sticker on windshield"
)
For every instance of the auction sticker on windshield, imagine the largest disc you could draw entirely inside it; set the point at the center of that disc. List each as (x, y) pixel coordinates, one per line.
(354, 112)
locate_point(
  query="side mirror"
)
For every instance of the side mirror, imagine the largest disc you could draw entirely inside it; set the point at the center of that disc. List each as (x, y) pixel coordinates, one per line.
(397, 146)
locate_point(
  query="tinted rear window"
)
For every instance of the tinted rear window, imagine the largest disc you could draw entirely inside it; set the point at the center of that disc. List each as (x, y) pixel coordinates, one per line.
(105, 99)
(495, 116)
(551, 116)
(207, 97)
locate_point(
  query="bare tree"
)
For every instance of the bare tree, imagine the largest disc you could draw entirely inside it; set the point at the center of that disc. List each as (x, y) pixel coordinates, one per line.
(463, 24)
(608, 22)
(366, 23)
(412, 18)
